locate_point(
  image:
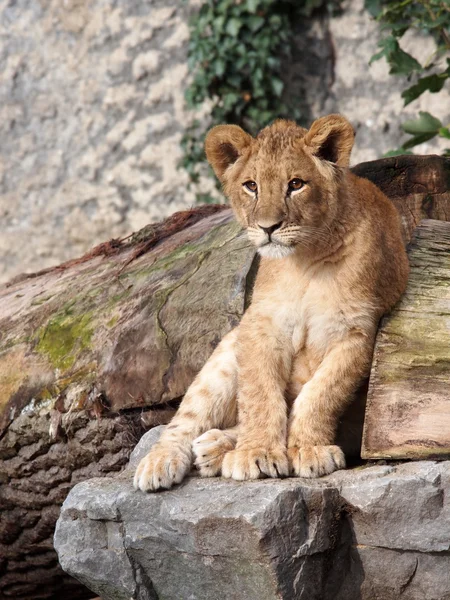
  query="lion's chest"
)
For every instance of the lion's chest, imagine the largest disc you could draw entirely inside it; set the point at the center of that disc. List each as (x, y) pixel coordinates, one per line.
(320, 318)
(315, 312)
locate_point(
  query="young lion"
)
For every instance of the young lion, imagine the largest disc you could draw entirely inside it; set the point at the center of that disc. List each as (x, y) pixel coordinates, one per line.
(333, 262)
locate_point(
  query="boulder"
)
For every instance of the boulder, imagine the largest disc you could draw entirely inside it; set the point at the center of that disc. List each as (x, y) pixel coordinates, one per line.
(370, 532)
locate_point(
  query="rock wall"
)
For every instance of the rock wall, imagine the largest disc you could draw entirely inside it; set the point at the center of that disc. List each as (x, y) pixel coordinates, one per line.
(92, 113)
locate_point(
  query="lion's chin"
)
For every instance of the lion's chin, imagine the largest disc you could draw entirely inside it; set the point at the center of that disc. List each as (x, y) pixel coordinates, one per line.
(274, 250)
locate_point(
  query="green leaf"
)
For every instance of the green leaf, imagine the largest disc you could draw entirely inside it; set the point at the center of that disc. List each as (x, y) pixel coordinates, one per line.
(258, 76)
(401, 62)
(233, 26)
(252, 5)
(388, 45)
(444, 132)
(204, 199)
(223, 6)
(255, 22)
(425, 124)
(277, 86)
(432, 83)
(219, 23)
(219, 67)
(373, 7)
(419, 139)
(230, 99)
(275, 21)
(397, 152)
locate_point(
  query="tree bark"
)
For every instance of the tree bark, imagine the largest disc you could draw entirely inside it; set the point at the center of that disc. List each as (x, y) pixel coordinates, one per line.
(96, 350)
(408, 403)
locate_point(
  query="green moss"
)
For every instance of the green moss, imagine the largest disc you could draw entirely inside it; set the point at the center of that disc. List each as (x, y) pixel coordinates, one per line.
(122, 295)
(164, 263)
(39, 301)
(211, 240)
(64, 338)
(112, 321)
(47, 394)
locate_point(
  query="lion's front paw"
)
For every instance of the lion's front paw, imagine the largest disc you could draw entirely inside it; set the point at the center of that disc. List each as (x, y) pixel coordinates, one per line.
(254, 463)
(315, 461)
(209, 450)
(162, 468)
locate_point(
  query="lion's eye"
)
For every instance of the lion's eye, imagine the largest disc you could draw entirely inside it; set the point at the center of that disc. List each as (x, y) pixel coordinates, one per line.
(295, 184)
(250, 185)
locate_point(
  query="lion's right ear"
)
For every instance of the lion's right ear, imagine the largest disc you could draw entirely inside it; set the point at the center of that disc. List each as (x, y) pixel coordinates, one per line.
(224, 144)
(331, 138)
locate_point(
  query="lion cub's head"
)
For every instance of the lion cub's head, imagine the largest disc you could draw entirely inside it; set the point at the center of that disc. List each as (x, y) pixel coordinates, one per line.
(284, 185)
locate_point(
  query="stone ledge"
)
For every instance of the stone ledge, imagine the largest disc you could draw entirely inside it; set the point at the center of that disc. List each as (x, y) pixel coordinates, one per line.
(372, 532)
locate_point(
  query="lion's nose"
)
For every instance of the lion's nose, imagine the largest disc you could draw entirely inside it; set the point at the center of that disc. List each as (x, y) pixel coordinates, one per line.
(269, 230)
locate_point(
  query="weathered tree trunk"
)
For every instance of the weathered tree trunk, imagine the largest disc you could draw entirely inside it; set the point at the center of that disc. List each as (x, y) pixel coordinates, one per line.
(408, 403)
(96, 350)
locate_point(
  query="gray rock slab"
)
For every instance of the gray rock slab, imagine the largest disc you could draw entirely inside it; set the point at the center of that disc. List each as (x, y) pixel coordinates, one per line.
(374, 532)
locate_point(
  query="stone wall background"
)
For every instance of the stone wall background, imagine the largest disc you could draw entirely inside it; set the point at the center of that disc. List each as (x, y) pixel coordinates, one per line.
(92, 112)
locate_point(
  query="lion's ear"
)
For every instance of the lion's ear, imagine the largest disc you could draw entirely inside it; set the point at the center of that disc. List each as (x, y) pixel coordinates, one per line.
(331, 138)
(223, 146)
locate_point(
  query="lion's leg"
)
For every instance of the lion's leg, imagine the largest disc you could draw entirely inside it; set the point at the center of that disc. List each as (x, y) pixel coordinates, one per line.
(316, 411)
(264, 356)
(210, 448)
(209, 402)
(300, 374)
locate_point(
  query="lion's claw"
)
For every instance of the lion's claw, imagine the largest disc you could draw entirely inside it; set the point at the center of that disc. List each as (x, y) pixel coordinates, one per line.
(315, 461)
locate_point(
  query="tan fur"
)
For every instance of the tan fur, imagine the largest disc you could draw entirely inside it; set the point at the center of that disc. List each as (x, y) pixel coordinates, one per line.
(332, 265)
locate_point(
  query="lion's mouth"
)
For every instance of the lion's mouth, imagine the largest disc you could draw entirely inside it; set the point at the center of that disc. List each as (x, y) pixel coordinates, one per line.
(275, 249)
(269, 245)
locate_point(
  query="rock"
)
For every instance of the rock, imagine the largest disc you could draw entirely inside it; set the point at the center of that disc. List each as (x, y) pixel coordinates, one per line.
(408, 408)
(371, 532)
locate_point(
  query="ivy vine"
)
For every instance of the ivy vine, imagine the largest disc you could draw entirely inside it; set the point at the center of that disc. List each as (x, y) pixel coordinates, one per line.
(430, 17)
(235, 56)
(237, 49)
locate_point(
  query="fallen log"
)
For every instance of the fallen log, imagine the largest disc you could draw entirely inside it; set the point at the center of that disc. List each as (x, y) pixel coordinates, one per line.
(94, 351)
(85, 350)
(408, 403)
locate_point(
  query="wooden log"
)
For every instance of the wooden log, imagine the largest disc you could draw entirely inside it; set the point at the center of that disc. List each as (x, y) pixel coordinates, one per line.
(408, 403)
(419, 186)
(95, 350)
(85, 350)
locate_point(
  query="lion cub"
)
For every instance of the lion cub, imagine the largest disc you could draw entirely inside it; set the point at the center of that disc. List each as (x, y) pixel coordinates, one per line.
(268, 401)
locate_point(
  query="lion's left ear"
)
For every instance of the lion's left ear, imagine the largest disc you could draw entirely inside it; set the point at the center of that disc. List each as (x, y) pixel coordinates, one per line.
(224, 144)
(331, 138)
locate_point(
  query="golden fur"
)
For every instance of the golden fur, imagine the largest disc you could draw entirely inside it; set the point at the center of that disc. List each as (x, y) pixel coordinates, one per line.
(269, 399)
